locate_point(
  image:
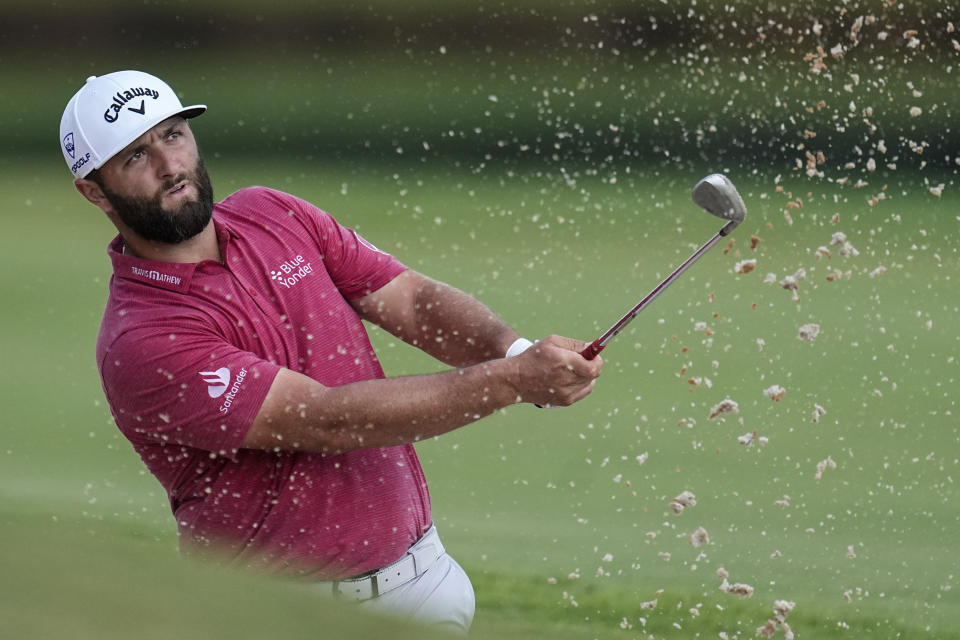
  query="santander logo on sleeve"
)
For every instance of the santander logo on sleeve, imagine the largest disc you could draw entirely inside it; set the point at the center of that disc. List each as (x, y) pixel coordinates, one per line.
(219, 381)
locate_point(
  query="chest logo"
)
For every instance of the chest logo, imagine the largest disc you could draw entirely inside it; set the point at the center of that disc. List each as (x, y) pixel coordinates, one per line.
(292, 271)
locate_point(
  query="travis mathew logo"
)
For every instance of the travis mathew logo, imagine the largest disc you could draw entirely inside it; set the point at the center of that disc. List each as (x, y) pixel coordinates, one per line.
(155, 275)
(121, 98)
(292, 271)
(218, 382)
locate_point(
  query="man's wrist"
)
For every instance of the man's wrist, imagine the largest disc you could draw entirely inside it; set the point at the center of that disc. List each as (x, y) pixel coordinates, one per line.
(519, 346)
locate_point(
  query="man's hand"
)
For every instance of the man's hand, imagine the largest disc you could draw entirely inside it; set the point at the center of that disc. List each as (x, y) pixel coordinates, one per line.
(551, 372)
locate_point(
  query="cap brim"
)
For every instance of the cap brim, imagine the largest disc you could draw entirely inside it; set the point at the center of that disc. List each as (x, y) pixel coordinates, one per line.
(189, 112)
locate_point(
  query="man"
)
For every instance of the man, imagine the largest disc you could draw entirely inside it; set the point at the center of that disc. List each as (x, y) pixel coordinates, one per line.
(233, 356)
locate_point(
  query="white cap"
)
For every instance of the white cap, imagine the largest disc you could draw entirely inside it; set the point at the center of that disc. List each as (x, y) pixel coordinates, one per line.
(109, 112)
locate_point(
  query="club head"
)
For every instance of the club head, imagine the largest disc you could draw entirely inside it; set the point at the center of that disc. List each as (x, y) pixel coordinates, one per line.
(717, 195)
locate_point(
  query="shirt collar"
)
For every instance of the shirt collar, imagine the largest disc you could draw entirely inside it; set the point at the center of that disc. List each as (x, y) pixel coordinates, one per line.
(175, 276)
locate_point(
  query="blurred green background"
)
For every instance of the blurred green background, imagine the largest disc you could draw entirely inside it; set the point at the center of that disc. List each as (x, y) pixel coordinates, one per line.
(539, 155)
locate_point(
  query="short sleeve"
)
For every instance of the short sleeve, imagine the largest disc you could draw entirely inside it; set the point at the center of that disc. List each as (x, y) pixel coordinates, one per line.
(355, 265)
(185, 387)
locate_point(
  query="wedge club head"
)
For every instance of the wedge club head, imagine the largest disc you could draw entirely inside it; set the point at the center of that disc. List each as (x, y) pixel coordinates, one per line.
(717, 195)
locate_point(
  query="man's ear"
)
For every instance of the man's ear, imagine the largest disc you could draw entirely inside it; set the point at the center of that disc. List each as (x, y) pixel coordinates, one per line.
(93, 193)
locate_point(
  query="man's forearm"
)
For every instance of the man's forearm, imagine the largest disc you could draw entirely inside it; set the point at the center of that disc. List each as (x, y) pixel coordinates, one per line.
(458, 329)
(300, 414)
(445, 322)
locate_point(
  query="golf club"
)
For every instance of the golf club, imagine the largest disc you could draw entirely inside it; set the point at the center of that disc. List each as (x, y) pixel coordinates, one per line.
(714, 194)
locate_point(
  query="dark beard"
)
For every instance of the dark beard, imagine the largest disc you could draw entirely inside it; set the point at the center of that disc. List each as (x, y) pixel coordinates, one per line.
(149, 220)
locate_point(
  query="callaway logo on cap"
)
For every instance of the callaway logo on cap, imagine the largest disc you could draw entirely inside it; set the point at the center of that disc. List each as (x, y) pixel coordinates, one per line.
(109, 112)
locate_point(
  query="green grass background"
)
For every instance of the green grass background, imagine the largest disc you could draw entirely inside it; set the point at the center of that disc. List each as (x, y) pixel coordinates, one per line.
(560, 222)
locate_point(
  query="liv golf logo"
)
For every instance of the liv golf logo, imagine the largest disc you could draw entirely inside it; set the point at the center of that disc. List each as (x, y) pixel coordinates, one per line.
(292, 271)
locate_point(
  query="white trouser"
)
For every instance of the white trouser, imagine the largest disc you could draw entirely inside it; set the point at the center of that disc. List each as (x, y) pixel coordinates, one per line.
(440, 596)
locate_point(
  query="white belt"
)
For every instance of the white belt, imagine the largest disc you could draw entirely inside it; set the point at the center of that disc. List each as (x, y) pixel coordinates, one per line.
(411, 564)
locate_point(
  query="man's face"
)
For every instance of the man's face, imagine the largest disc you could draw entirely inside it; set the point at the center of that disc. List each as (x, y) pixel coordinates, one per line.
(158, 186)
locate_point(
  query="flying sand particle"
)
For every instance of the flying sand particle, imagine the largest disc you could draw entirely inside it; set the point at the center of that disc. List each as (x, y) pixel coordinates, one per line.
(808, 332)
(738, 588)
(818, 411)
(724, 406)
(683, 501)
(823, 465)
(745, 266)
(775, 392)
(699, 537)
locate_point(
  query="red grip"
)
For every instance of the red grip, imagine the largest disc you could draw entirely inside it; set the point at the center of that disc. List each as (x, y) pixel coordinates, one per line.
(592, 350)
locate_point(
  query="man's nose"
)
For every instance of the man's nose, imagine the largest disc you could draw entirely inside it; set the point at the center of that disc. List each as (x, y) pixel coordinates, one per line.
(168, 164)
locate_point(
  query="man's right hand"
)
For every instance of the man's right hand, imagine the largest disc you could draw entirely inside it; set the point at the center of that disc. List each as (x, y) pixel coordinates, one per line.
(551, 372)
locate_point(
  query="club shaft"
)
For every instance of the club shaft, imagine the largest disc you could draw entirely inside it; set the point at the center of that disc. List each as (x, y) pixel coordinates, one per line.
(597, 345)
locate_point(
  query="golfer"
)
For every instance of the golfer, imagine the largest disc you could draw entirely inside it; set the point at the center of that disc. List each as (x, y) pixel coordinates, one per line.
(234, 358)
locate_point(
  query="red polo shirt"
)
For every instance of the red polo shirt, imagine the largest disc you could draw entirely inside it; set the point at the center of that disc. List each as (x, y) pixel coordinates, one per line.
(187, 353)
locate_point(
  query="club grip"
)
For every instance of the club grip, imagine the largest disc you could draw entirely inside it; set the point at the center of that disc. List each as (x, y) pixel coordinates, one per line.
(592, 350)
